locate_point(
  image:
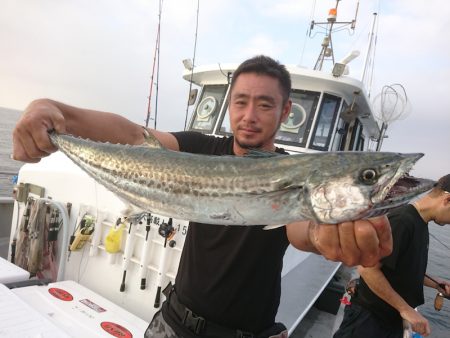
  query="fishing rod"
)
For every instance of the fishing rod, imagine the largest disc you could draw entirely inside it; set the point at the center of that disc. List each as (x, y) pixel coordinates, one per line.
(129, 244)
(439, 300)
(166, 230)
(144, 254)
(441, 285)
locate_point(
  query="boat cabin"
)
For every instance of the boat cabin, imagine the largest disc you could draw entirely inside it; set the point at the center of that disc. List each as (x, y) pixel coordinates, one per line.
(328, 113)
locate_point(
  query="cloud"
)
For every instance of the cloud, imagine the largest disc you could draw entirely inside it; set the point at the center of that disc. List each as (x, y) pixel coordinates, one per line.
(99, 54)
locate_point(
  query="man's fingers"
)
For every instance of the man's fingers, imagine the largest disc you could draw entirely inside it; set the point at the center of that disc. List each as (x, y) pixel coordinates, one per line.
(362, 242)
(383, 229)
(367, 240)
(25, 148)
(326, 240)
(351, 253)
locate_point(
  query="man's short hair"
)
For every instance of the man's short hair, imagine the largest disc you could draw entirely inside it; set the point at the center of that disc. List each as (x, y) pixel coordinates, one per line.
(264, 65)
(444, 183)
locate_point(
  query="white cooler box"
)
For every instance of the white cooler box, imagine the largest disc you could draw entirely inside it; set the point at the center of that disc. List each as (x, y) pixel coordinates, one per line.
(79, 312)
(10, 273)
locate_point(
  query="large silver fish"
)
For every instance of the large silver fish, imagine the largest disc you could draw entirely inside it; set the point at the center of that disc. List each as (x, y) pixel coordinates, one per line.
(251, 190)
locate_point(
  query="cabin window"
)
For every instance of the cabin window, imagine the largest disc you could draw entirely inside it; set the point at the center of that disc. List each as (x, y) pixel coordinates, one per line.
(358, 137)
(341, 129)
(353, 138)
(295, 129)
(208, 108)
(325, 122)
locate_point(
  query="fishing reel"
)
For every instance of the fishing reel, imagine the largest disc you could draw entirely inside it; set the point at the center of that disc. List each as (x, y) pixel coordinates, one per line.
(167, 231)
(439, 301)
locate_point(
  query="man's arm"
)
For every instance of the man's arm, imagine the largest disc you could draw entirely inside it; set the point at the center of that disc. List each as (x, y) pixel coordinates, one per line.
(361, 242)
(438, 286)
(378, 283)
(31, 141)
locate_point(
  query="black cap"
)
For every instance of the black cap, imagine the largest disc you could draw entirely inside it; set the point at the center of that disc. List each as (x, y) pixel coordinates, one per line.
(444, 183)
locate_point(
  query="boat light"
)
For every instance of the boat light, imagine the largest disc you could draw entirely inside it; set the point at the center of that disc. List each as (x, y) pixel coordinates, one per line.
(332, 15)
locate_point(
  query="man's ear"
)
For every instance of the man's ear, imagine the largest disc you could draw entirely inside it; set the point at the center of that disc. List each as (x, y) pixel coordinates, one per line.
(446, 198)
(286, 110)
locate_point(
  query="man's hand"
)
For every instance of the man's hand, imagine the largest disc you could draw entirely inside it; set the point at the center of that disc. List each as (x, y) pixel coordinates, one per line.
(361, 242)
(30, 138)
(446, 289)
(418, 322)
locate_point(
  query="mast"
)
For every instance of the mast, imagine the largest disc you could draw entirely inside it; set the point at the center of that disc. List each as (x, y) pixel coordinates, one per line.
(327, 52)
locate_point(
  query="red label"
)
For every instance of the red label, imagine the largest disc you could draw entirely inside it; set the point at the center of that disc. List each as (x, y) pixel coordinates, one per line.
(116, 330)
(60, 294)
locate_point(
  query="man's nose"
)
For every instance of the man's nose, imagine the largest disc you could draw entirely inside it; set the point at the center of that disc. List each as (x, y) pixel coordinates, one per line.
(250, 112)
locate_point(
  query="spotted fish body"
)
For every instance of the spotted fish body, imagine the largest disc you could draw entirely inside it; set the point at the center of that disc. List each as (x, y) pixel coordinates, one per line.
(247, 190)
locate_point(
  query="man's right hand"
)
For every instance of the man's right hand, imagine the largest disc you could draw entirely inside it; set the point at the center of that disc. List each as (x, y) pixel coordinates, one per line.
(418, 322)
(30, 137)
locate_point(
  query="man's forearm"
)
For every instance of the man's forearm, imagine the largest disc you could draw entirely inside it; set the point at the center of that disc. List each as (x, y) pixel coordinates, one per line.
(378, 283)
(99, 126)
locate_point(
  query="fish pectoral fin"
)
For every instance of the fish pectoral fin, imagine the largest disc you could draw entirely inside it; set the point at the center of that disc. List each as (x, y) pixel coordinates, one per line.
(271, 227)
(150, 140)
(129, 209)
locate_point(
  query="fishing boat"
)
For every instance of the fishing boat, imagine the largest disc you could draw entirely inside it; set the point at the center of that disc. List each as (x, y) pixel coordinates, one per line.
(101, 263)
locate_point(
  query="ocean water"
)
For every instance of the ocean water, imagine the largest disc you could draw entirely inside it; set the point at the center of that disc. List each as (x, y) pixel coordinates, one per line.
(438, 266)
(439, 253)
(8, 167)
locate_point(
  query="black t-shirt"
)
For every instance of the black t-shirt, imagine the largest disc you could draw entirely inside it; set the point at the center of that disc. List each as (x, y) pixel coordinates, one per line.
(230, 275)
(404, 269)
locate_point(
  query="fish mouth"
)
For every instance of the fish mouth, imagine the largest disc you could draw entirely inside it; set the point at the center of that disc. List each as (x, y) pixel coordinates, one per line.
(402, 187)
(405, 188)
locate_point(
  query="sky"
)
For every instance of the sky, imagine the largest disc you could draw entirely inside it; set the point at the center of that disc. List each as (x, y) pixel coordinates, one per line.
(99, 55)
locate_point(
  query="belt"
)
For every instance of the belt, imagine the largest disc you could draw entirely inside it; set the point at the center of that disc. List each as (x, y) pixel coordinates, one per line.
(200, 326)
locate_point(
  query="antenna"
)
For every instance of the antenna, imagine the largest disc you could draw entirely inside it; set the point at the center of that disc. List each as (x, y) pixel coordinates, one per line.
(327, 52)
(370, 55)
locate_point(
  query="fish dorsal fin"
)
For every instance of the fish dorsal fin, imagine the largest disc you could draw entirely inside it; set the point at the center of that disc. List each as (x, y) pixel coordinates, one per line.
(257, 153)
(150, 140)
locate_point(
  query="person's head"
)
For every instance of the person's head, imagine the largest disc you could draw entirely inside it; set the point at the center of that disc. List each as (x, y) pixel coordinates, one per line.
(436, 205)
(442, 192)
(259, 102)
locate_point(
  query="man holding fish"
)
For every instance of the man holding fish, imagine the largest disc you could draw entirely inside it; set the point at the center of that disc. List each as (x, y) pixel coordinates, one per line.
(228, 282)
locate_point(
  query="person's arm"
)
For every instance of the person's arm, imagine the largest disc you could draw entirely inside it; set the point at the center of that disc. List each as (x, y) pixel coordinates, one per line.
(438, 286)
(361, 242)
(379, 285)
(31, 141)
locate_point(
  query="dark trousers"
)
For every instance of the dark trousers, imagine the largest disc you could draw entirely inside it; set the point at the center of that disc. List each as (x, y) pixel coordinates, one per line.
(361, 323)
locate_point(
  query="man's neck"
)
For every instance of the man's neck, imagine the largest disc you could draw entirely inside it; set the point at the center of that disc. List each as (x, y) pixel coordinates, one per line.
(423, 208)
(239, 151)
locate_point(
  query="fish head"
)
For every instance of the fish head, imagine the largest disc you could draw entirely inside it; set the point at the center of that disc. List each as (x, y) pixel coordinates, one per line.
(362, 185)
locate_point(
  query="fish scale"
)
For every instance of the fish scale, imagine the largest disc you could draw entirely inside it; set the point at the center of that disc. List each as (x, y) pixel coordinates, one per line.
(262, 188)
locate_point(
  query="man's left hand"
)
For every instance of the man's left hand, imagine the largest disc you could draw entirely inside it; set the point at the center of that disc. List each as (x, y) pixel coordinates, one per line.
(361, 242)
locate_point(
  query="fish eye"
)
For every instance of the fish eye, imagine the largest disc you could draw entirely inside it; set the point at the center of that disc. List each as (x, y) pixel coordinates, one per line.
(368, 176)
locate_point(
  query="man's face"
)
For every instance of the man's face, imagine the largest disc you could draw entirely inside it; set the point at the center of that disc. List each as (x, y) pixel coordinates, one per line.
(443, 214)
(256, 111)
